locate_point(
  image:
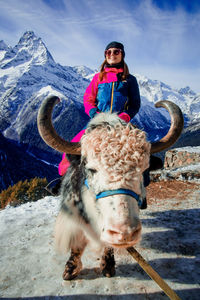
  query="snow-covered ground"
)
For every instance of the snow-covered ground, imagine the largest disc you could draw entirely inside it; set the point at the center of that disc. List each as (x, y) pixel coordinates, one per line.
(30, 267)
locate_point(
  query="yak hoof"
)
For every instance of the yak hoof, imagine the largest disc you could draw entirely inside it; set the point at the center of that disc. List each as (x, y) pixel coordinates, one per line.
(108, 271)
(72, 270)
(108, 263)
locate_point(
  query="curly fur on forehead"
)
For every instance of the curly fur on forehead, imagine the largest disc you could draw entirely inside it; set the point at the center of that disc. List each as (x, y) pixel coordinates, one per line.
(118, 147)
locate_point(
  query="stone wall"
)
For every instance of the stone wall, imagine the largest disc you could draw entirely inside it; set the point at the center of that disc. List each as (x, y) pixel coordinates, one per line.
(180, 157)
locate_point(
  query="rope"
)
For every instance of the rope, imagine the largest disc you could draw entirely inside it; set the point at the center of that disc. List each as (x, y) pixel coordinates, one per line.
(153, 274)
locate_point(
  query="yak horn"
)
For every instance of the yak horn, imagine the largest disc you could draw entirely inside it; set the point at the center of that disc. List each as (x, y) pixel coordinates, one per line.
(47, 131)
(176, 127)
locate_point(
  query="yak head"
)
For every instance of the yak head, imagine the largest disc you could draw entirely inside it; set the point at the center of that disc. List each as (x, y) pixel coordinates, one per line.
(115, 155)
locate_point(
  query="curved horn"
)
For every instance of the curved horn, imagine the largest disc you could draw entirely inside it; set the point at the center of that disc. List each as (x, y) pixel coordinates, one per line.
(176, 127)
(47, 131)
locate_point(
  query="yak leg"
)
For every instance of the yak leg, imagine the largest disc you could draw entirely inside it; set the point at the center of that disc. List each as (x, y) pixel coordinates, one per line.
(108, 262)
(74, 264)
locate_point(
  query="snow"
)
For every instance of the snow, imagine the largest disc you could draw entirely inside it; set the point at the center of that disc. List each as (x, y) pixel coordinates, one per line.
(189, 149)
(2, 53)
(193, 167)
(185, 98)
(12, 74)
(189, 173)
(84, 71)
(48, 90)
(30, 266)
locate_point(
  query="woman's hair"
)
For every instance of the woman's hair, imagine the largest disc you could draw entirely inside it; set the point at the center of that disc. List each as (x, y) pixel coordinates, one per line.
(124, 66)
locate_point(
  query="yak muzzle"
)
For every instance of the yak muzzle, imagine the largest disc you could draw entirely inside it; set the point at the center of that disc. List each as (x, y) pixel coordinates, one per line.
(121, 236)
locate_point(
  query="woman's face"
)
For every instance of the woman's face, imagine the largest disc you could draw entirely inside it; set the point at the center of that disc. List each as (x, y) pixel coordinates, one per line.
(112, 57)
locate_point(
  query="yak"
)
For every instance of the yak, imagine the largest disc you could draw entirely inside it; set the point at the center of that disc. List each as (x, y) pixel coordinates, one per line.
(103, 190)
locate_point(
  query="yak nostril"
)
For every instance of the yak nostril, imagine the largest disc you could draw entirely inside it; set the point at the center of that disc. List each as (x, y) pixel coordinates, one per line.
(112, 232)
(116, 234)
(121, 235)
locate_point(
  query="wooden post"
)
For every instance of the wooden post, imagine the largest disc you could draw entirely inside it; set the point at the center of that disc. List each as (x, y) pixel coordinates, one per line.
(153, 274)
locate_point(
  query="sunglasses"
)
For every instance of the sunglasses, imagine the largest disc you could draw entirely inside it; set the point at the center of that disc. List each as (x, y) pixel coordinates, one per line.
(115, 52)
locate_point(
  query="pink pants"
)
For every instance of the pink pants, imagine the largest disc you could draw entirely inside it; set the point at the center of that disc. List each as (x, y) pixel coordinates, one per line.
(64, 164)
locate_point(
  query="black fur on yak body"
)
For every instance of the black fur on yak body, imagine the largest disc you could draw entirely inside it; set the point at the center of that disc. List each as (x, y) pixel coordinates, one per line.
(71, 186)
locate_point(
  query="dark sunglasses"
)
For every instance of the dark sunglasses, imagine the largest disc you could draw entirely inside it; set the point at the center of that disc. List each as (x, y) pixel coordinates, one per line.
(115, 52)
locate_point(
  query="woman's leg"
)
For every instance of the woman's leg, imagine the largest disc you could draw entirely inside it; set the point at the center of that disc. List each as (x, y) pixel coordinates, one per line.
(64, 164)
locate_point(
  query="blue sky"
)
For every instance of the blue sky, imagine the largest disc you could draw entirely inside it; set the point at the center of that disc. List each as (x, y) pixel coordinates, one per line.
(161, 37)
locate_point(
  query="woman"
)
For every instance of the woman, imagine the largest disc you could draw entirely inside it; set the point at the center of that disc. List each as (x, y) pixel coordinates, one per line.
(113, 89)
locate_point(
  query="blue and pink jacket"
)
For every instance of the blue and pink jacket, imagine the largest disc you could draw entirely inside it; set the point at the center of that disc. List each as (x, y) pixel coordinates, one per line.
(110, 94)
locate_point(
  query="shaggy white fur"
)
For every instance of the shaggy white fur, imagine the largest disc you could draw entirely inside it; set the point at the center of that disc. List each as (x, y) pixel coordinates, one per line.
(119, 148)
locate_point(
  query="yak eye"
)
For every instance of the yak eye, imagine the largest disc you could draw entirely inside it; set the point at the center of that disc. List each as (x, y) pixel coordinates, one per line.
(91, 171)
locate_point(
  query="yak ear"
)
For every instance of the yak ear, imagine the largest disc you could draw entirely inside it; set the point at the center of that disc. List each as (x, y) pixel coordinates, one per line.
(83, 160)
(73, 159)
(155, 163)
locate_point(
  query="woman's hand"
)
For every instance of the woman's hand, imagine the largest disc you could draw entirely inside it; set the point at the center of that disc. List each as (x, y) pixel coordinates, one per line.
(124, 116)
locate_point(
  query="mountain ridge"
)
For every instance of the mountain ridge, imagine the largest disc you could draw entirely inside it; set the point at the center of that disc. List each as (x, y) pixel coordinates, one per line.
(36, 75)
(28, 74)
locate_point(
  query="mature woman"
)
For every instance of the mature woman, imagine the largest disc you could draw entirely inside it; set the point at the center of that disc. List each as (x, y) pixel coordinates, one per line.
(113, 89)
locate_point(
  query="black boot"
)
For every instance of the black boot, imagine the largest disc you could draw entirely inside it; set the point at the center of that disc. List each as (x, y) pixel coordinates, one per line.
(144, 203)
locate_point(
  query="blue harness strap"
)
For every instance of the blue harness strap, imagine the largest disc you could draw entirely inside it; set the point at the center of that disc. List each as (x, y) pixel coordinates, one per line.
(117, 192)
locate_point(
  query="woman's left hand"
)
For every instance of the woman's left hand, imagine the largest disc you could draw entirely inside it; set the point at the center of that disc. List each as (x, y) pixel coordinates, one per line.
(124, 116)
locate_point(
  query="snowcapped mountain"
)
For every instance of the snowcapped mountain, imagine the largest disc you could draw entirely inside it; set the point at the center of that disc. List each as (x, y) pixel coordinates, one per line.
(154, 90)
(157, 120)
(28, 74)
(85, 72)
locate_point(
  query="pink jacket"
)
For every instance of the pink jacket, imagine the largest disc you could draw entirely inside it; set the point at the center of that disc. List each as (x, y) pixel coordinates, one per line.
(89, 98)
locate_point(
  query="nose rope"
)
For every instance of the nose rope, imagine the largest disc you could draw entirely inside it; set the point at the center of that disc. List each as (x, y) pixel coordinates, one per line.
(108, 193)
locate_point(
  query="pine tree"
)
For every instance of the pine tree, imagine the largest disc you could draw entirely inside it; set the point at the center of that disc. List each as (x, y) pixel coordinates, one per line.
(23, 192)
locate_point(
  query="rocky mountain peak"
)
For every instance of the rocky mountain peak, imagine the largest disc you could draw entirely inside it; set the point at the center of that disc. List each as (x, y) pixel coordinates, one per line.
(84, 71)
(32, 45)
(187, 91)
(28, 36)
(30, 49)
(3, 49)
(3, 46)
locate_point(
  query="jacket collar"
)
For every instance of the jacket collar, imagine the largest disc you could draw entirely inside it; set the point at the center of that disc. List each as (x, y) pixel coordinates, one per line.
(114, 70)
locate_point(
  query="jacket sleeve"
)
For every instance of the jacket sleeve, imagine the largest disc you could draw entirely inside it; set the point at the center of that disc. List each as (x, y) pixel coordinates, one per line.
(89, 98)
(133, 97)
